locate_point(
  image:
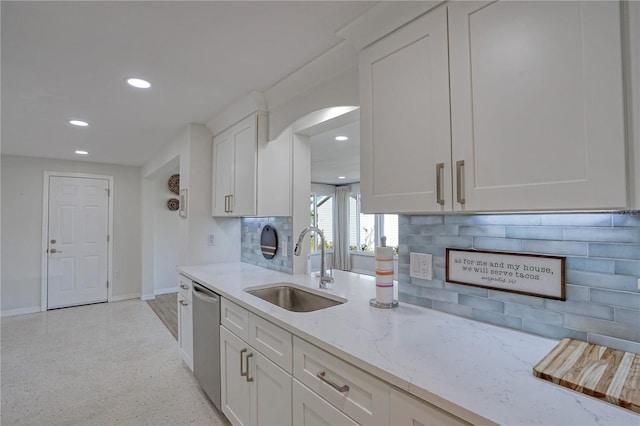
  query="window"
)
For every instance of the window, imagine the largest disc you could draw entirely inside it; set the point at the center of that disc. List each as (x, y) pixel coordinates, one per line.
(321, 217)
(366, 230)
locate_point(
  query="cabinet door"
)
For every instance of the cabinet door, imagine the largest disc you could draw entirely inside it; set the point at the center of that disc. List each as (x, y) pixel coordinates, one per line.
(185, 330)
(223, 173)
(311, 410)
(235, 390)
(185, 285)
(537, 105)
(270, 392)
(275, 173)
(405, 163)
(409, 411)
(243, 202)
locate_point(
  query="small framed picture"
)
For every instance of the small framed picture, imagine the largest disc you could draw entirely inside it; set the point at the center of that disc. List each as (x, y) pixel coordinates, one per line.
(183, 202)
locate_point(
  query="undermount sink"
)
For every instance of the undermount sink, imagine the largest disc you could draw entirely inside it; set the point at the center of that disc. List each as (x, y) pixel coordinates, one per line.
(293, 298)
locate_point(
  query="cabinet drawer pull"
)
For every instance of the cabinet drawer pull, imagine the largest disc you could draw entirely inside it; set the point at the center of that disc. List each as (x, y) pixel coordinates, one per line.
(243, 373)
(226, 204)
(249, 379)
(231, 203)
(439, 189)
(460, 181)
(344, 388)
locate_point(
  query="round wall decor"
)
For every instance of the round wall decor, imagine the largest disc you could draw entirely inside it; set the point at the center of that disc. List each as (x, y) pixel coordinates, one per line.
(174, 183)
(268, 242)
(173, 204)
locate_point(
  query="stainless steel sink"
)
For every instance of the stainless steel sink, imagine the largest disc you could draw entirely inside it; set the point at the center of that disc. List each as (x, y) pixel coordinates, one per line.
(293, 298)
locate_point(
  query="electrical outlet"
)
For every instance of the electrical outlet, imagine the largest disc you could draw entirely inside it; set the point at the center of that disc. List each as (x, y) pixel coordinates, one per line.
(421, 266)
(212, 240)
(284, 249)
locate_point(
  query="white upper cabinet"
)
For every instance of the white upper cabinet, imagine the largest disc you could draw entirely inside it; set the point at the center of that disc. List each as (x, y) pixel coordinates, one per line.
(405, 162)
(495, 106)
(537, 105)
(235, 167)
(275, 174)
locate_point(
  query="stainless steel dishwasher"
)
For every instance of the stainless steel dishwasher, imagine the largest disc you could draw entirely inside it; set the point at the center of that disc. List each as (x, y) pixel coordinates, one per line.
(206, 341)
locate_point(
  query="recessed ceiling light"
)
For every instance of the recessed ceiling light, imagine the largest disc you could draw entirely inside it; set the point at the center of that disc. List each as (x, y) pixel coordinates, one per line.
(139, 83)
(79, 123)
(342, 138)
(80, 152)
(342, 177)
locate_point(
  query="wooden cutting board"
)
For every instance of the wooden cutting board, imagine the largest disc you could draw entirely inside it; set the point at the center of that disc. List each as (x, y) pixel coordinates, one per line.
(604, 373)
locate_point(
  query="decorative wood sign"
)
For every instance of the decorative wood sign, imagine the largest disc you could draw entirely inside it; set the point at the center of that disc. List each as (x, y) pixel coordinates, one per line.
(531, 274)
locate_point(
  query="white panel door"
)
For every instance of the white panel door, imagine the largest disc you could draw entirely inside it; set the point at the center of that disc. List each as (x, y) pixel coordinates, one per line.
(537, 105)
(405, 145)
(78, 229)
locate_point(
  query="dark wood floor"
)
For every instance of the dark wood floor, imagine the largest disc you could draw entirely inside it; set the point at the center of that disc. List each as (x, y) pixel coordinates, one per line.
(166, 307)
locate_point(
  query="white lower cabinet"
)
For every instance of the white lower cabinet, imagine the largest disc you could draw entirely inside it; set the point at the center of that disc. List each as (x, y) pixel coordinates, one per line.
(405, 410)
(359, 395)
(255, 391)
(279, 379)
(185, 321)
(310, 409)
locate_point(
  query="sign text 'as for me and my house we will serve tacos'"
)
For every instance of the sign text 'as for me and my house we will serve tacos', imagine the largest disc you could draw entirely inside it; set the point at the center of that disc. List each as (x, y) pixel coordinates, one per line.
(531, 274)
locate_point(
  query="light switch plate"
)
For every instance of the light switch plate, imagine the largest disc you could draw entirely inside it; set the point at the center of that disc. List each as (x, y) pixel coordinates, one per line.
(284, 249)
(212, 240)
(421, 266)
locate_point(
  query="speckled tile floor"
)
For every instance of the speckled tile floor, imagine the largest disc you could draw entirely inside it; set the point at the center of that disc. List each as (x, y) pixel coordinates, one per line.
(106, 364)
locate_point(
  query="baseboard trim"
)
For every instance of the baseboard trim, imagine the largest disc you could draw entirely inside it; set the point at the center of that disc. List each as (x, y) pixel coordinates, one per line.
(165, 291)
(147, 297)
(124, 297)
(20, 311)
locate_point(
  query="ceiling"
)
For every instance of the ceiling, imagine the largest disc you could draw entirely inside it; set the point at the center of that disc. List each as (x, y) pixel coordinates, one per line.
(331, 158)
(69, 60)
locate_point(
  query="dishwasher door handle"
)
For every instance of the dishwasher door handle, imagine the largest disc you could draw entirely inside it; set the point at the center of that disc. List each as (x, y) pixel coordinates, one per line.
(204, 295)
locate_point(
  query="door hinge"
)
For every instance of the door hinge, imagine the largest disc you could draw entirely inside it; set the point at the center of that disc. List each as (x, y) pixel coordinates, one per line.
(108, 192)
(108, 237)
(107, 283)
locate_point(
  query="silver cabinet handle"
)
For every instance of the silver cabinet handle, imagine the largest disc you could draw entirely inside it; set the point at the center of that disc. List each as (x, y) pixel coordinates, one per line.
(344, 388)
(184, 286)
(226, 208)
(460, 181)
(243, 373)
(249, 379)
(231, 203)
(184, 303)
(439, 189)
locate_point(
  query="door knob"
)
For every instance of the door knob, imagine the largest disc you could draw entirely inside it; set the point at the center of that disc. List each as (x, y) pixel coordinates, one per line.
(55, 251)
(53, 241)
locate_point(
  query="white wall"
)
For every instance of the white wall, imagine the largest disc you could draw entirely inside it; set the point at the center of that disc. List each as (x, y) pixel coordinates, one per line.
(22, 185)
(166, 234)
(192, 150)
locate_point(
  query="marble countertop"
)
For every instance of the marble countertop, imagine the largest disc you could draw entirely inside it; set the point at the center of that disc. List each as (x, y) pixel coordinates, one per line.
(479, 372)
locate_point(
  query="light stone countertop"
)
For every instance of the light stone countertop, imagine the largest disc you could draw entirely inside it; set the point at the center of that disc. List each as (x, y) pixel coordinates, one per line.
(479, 372)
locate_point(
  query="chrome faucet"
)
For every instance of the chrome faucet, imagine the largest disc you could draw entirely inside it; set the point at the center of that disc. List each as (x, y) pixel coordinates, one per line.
(324, 279)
